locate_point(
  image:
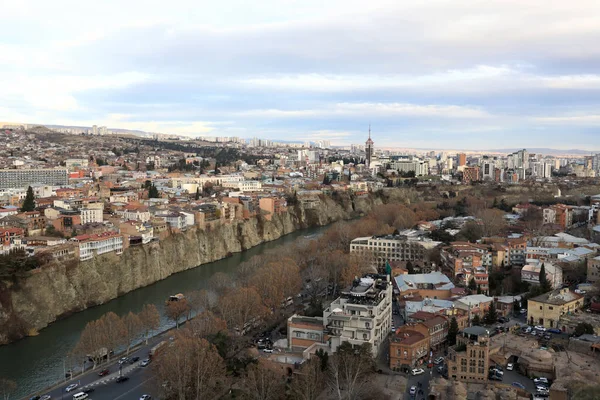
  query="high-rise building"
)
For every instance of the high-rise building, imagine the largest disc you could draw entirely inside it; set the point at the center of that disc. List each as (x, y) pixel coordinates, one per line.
(94, 130)
(462, 159)
(369, 149)
(22, 178)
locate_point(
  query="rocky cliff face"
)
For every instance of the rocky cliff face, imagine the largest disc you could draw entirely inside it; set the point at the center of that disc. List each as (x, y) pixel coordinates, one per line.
(31, 303)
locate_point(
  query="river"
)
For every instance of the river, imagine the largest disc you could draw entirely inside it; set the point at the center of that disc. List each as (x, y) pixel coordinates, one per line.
(36, 362)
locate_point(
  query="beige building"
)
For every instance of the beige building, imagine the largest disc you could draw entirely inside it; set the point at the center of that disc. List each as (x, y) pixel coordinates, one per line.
(303, 332)
(406, 246)
(593, 269)
(468, 360)
(547, 309)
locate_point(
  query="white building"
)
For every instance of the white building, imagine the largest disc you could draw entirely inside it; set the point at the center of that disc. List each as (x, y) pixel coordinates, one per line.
(362, 314)
(90, 215)
(22, 178)
(76, 163)
(394, 247)
(175, 220)
(531, 273)
(93, 245)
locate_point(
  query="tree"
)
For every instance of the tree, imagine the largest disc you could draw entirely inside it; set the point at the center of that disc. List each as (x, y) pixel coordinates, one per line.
(545, 285)
(472, 285)
(29, 202)
(150, 319)
(133, 328)
(199, 300)
(153, 192)
(492, 315)
(197, 196)
(177, 309)
(276, 281)
(583, 328)
(93, 343)
(492, 221)
(472, 231)
(239, 306)
(147, 184)
(220, 282)
(191, 368)
(7, 387)
(349, 370)
(476, 320)
(516, 307)
(261, 383)
(452, 332)
(114, 330)
(479, 289)
(207, 324)
(409, 267)
(323, 358)
(308, 383)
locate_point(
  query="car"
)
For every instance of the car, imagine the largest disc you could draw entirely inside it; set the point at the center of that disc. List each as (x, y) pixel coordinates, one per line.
(104, 372)
(497, 371)
(534, 333)
(523, 311)
(268, 350)
(528, 329)
(35, 398)
(133, 360)
(123, 360)
(542, 390)
(88, 390)
(417, 371)
(510, 366)
(440, 369)
(72, 386)
(46, 397)
(540, 380)
(540, 328)
(518, 385)
(413, 390)
(122, 378)
(554, 330)
(494, 377)
(145, 362)
(438, 360)
(146, 397)
(547, 337)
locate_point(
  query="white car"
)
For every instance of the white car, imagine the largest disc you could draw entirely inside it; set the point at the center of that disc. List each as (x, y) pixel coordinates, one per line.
(72, 386)
(146, 397)
(413, 390)
(497, 371)
(540, 328)
(145, 362)
(438, 360)
(417, 371)
(541, 380)
(268, 350)
(510, 366)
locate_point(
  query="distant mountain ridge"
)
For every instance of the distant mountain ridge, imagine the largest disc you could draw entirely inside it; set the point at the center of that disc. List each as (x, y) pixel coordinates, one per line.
(544, 150)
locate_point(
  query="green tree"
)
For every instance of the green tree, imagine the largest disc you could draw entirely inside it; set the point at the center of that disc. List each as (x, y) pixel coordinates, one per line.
(452, 332)
(516, 307)
(583, 328)
(472, 285)
(476, 320)
(147, 184)
(29, 202)
(153, 192)
(197, 196)
(479, 289)
(544, 283)
(492, 315)
(323, 358)
(409, 267)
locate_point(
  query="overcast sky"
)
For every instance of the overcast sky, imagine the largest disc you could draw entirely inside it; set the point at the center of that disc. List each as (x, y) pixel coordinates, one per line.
(432, 74)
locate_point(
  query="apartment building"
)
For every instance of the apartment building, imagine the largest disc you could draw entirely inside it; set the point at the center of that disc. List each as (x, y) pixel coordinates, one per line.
(409, 348)
(136, 212)
(362, 314)
(97, 244)
(22, 178)
(91, 215)
(434, 285)
(9, 235)
(465, 260)
(531, 273)
(593, 269)
(406, 246)
(475, 304)
(471, 174)
(468, 360)
(303, 332)
(547, 309)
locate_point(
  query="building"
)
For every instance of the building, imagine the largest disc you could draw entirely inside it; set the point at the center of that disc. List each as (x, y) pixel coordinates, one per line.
(362, 314)
(91, 214)
(476, 304)
(409, 348)
(369, 149)
(434, 285)
(462, 159)
(95, 245)
(303, 332)
(22, 178)
(471, 174)
(593, 269)
(399, 247)
(547, 309)
(468, 360)
(531, 273)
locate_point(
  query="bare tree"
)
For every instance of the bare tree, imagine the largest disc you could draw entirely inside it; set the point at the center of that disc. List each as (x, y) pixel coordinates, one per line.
(200, 300)
(492, 221)
(93, 342)
(220, 282)
(150, 319)
(206, 324)
(309, 382)
(114, 331)
(349, 371)
(6, 388)
(177, 309)
(238, 307)
(276, 281)
(261, 383)
(189, 369)
(133, 328)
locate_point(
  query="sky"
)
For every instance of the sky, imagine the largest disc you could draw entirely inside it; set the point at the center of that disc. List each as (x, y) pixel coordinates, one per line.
(453, 74)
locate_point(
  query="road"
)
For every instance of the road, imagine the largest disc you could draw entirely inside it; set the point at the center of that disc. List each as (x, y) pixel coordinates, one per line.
(105, 388)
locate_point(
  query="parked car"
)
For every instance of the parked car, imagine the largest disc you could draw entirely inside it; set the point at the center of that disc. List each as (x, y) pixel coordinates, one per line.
(542, 390)
(133, 360)
(88, 390)
(123, 360)
(441, 369)
(268, 350)
(104, 372)
(510, 366)
(494, 377)
(122, 378)
(438, 360)
(519, 385)
(413, 390)
(417, 371)
(523, 311)
(145, 362)
(146, 397)
(72, 386)
(554, 330)
(528, 329)
(540, 328)
(502, 320)
(35, 398)
(540, 380)
(497, 371)
(46, 397)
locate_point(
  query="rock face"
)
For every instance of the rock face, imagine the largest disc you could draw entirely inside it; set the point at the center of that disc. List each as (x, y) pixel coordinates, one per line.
(55, 291)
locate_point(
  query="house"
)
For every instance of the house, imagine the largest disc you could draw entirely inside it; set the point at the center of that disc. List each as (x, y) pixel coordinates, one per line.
(531, 273)
(547, 309)
(468, 360)
(303, 332)
(434, 285)
(97, 244)
(476, 304)
(409, 348)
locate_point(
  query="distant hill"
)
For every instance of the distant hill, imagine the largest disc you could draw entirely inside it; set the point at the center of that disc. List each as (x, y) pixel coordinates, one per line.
(542, 150)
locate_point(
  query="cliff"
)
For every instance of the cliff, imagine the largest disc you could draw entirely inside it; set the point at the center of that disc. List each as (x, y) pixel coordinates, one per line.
(30, 303)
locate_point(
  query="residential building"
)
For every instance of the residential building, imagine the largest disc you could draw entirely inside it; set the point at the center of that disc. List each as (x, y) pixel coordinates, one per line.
(468, 360)
(475, 304)
(471, 174)
(91, 214)
(434, 285)
(303, 332)
(175, 220)
(462, 159)
(401, 247)
(547, 309)
(362, 314)
(9, 235)
(22, 178)
(95, 245)
(409, 348)
(136, 212)
(531, 273)
(593, 269)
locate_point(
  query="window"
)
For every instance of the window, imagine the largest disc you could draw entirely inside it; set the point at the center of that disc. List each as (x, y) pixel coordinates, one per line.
(551, 308)
(540, 307)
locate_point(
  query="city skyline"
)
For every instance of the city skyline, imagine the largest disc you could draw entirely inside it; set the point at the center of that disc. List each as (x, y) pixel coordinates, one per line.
(441, 75)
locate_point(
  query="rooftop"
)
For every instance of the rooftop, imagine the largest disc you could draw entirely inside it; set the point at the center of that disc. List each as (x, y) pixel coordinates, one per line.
(431, 281)
(557, 297)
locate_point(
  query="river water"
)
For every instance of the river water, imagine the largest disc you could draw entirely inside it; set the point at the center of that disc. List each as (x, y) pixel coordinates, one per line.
(37, 362)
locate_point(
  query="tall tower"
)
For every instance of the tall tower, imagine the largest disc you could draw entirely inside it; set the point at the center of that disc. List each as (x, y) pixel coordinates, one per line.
(369, 148)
